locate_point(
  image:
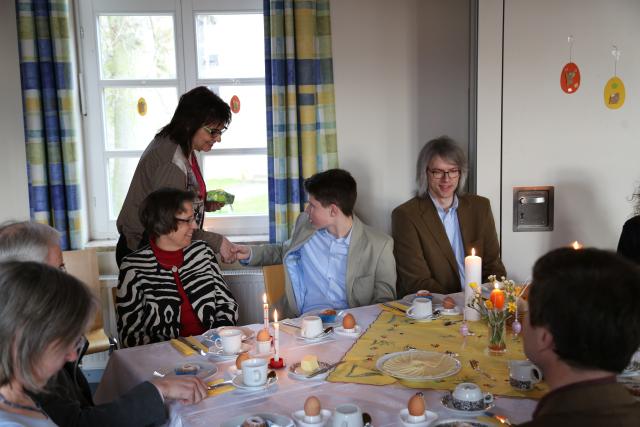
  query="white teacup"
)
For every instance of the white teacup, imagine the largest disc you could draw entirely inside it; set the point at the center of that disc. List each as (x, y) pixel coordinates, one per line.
(523, 374)
(311, 326)
(254, 372)
(347, 415)
(469, 397)
(263, 347)
(229, 341)
(420, 308)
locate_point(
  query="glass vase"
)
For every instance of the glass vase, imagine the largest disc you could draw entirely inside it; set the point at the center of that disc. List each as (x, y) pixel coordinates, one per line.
(497, 335)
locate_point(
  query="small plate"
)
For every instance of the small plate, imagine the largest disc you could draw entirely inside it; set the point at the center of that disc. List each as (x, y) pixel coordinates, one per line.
(448, 311)
(428, 419)
(247, 333)
(320, 338)
(339, 330)
(451, 365)
(298, 416)
(205, 370)
(219, 354)
(276, 419)
(446, 402)
(238, 382)
(296, 372)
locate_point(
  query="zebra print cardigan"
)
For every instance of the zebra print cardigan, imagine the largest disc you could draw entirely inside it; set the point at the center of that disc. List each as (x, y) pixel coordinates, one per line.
(148, 302)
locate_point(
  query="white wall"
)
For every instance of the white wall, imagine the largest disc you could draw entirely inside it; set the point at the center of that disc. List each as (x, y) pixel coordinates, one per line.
(13, 170)
(400, 72)
(573, 142)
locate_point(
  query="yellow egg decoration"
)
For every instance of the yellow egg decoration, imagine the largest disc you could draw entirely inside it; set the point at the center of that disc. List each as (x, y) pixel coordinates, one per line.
(142, 106)
(614, 93)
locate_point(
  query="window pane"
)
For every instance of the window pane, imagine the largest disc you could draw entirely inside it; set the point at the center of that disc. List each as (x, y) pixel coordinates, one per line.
(248, 127)
(230, 46)
(125, 127)
(120, 172)
(243, 176)
(137, 47)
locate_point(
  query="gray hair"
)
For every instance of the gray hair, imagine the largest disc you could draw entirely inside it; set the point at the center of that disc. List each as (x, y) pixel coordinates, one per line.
(446, 149)
(26, 241)
(40, 306)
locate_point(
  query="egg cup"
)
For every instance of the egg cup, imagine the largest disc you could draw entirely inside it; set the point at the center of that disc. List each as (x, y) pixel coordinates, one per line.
(417, 420)
(320, 420)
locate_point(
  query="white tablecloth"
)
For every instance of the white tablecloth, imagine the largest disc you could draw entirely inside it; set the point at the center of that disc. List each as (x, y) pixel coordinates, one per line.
(128, 367)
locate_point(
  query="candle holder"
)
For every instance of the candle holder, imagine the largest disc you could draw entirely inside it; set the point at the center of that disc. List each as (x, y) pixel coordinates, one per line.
(277, 365)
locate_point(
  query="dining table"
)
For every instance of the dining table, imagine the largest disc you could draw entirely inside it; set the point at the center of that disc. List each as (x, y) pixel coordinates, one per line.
(128, 367)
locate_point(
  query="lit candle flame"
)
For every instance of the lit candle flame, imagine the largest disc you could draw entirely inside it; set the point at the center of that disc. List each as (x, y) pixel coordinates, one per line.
(495, 286)
(576, 245)
(264, 298)
(275, 316)
(473, 251)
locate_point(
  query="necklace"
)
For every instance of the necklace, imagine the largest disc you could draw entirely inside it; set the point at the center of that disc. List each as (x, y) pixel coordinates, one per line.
(36, 408)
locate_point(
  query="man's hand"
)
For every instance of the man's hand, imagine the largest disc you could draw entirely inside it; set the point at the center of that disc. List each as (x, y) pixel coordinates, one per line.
(242, 251)
(213, 206)
(188, 390)
(227, 251)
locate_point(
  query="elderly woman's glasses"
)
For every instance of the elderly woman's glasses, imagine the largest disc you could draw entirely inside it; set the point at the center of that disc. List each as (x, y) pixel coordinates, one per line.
(214, 131)
(439, 174)
(186, 220)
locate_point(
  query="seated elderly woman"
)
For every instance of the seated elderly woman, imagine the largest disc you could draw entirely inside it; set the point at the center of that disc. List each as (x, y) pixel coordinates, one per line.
(173, 286)
(45, 314)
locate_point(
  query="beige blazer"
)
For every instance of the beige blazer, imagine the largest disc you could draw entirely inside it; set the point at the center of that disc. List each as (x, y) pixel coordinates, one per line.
(424, 256)
(371, 268)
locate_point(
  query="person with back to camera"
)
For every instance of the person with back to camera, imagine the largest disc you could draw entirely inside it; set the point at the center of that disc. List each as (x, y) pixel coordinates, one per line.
(582, 328)
(436, 229)
(170, 161)
(629, 243)
(67, 397)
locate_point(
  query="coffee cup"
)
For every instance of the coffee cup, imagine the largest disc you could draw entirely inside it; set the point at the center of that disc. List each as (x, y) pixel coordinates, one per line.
(254, 372)
(347, 415)
(229, 341)
(263, 347)
(523, 374)
(420, 308)
(469, 397)
(311, 326)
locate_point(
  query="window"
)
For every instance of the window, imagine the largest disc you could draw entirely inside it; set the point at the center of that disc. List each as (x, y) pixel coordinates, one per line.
(137, 58)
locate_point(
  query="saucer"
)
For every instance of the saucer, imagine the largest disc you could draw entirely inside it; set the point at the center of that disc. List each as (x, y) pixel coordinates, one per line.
(238, 382)
(234, 371)
(429, 318)
(204, 370)
(429, 417)
(451, 422)
(270, 419)
(218, 353)
(448, 404)
(297, 373)
(298, 416)
(327, 319)
(339, 330)
(212, 334)
(448, 311)
(319, 338)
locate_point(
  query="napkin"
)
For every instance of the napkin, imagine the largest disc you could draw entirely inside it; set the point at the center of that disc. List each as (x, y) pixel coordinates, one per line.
(219, 390)
(184, 349)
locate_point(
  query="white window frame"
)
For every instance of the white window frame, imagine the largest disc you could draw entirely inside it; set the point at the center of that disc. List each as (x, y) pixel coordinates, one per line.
(101, 226)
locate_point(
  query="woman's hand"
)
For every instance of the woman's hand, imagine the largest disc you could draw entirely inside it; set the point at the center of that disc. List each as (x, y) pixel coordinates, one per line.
(213, 206)
(188, 390)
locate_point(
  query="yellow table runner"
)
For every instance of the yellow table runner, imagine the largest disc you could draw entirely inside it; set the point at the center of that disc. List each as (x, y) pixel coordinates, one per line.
(392, 332)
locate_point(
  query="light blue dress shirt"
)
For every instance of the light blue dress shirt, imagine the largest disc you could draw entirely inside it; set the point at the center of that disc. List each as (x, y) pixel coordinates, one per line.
(319, 273)
(449, 219)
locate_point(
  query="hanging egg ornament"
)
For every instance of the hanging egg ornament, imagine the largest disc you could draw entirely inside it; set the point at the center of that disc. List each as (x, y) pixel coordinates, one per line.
(464, 329)
(570, 78)
(516, 327)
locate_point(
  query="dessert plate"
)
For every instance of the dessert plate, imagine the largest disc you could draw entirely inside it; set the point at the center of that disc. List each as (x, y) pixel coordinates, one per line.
(418, 365)
(296, 372)
(448, 311)
(202, 369)
(269, 418)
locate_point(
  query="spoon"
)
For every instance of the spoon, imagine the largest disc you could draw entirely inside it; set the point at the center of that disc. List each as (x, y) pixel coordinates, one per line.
(366, 419)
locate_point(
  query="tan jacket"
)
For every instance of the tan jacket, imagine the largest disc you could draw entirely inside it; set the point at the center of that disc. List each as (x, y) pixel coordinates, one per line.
(371, 269)
(423, 253)
(162, 165)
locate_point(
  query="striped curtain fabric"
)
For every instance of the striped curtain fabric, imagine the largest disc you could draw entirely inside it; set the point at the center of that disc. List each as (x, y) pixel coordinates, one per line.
(301, 124)
(49, 96)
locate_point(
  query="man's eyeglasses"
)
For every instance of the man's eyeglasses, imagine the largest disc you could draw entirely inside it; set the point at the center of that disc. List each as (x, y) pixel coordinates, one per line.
(439, 174)
(80, 342)
(214, 131)
(186, 220)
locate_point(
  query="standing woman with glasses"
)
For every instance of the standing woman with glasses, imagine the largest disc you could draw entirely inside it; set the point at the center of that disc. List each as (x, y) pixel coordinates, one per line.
(435, 230)
(44, 314)
(173, 286)
(169, 161)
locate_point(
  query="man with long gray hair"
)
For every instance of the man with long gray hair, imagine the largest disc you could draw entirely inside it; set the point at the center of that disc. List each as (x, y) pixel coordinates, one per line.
(68, 399)
(436, 229)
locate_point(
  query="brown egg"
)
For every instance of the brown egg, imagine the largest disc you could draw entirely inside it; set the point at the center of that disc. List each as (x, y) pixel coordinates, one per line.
(263, 335)
(448, 303)
(416, 405)
(241, 358)
(349, 322)
(312, 406)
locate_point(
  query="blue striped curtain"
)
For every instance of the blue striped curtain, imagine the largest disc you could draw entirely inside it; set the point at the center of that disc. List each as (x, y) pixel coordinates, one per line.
(49, 104)
(301, 124)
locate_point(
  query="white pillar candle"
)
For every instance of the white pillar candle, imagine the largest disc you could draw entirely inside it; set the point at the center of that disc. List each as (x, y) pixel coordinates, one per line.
(276, 335)
(472, 273)
(265, 306)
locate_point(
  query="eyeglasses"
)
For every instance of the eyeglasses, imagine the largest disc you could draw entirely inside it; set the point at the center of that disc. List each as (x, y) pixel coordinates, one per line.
(439, 174)
(214, 131)
(186, 220)
(80, 343)
(62, 267)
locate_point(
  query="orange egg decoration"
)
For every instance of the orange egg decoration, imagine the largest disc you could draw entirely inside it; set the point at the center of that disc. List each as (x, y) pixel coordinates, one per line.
(349, 322)
(263, 335)
(312, 406)
(416, 405)
(241, 358)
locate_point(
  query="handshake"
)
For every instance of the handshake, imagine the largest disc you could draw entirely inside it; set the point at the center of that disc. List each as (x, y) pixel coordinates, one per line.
(231, 252)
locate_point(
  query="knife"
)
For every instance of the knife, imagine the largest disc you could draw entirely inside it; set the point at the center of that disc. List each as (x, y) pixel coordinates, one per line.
(404, 310)
(325, 369)
(192, 346)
